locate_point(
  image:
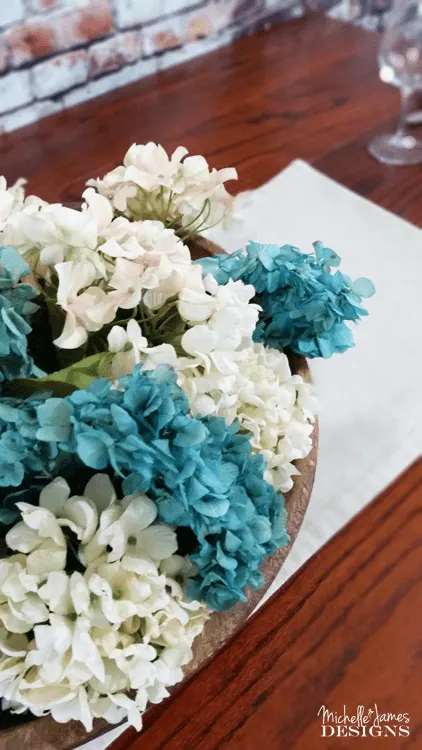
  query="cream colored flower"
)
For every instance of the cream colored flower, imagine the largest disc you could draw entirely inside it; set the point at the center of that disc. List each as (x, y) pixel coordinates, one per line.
(254, 385)
(175, 188)
(133, 533)
(11, 199)
(87, 307)
(230, 322)
(39, 535)
(105, 641)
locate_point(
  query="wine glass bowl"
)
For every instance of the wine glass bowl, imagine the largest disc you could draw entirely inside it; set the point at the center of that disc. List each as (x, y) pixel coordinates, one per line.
(400, 61)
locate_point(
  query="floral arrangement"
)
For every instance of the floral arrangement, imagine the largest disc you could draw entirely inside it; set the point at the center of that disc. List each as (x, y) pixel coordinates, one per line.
(149, 425)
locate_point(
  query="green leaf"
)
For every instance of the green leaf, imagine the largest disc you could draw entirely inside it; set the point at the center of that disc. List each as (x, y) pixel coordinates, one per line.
(63, 382)
(24, 387)
(83, 372)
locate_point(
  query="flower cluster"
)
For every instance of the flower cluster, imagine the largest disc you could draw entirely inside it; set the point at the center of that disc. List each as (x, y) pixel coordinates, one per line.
(75, 643)
(93, 264)
(179, 190)
(237, 517)
(304, 306)
(16, 306)
(169, 377)
(253, 385)
(216, 322)
(256, 387)
(101, 425)
(198, 471)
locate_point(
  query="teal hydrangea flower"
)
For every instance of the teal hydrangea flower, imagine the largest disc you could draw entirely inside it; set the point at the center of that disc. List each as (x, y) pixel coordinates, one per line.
(304, 306)
(15, 307)
(199, 471)
(101, 425)
(220, 493)
(21, 451)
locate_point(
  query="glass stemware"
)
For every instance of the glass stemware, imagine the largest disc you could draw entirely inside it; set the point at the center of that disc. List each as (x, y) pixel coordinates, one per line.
(400, 60)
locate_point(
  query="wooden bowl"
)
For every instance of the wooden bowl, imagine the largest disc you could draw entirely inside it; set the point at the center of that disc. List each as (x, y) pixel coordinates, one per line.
(46, 734)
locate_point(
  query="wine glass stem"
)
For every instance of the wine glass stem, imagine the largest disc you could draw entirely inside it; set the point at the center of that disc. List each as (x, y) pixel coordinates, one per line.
(405, 110)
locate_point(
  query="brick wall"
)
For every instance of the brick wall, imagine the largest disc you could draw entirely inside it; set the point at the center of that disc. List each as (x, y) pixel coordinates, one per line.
(369, 13)
(57, 53)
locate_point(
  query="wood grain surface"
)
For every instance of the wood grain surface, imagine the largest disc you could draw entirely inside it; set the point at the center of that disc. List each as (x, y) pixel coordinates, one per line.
(345, 630)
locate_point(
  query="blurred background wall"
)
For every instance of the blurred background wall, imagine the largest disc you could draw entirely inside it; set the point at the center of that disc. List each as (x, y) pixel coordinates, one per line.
(368, 13)
(57, 53)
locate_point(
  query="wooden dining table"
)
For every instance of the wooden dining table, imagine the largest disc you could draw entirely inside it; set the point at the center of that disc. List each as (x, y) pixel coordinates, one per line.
(345, 631)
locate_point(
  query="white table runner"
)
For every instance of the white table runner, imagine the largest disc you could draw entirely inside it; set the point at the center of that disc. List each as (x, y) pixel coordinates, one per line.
(371, 420)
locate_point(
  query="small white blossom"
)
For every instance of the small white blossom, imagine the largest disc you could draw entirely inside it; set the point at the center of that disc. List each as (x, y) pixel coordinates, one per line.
(85, 311)
(130, 347)
(53, 234)
(229, 326)
(149, 167)
(127, 347)
(11, 199)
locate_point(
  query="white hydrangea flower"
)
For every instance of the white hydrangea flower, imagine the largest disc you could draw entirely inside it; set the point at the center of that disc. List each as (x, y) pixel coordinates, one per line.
(126, 346)
(149, 166)
(250, 383)
(130, 345)
(229, 321)
(139, 261)
(49, 234)
(106, 641)
(170, 188)
(108, 256)
(99, 209)
(97, 262)
(256, 386)
(200, 185)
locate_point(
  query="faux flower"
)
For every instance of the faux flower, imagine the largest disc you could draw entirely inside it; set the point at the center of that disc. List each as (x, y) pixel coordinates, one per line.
(237, 517)
(130, 348)
(198, 471)
(253, 385)
(127, 346)
(256, 387)
(150, 167)
(16, 307)
(96, 261)
(304, 305)
(53, 234)
(103, 426)
(140, 261)
(179, 190)
(229, 319)
(108, 640)
(87, 308)
(11, 199)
